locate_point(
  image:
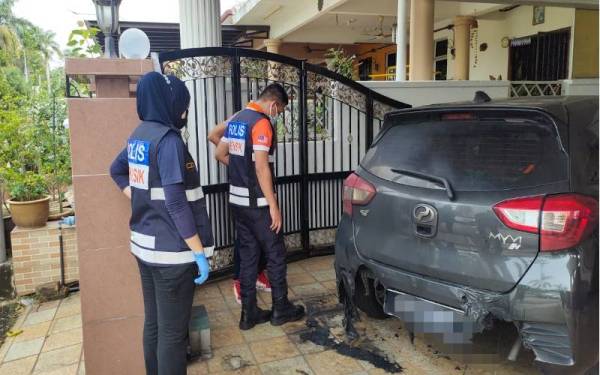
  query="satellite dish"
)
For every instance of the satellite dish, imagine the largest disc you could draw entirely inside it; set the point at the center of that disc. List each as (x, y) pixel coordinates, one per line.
(134, 44)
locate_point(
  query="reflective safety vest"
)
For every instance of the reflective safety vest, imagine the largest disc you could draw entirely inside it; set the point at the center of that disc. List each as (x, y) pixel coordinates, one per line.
(244, 189)
(154, 237)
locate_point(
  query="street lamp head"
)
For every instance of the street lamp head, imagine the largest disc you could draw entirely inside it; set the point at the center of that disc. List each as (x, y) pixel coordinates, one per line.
(107, 15)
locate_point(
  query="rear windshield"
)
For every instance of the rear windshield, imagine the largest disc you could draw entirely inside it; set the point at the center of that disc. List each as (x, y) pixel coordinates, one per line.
(471, 155)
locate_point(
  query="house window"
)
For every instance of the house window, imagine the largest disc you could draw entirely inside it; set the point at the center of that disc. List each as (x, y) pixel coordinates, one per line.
(540, 57)
(390, 66)
(440, 61)
(365, 69)
(390, 60)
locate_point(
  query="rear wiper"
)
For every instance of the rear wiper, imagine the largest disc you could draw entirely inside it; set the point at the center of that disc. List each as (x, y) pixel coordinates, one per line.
(428, 177)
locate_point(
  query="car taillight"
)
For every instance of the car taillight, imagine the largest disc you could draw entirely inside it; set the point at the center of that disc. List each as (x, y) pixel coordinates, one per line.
(356, 191)
(458, 116)
(566, 219)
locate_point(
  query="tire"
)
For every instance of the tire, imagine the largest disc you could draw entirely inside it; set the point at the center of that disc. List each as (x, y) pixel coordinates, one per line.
(369, 304)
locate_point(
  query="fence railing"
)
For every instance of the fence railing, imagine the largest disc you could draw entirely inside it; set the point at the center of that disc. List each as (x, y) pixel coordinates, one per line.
(324, 132)
(535, 88)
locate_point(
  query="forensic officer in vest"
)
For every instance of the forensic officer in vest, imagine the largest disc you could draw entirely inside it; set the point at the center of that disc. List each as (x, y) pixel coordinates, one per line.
(170, 229)
(247, 148)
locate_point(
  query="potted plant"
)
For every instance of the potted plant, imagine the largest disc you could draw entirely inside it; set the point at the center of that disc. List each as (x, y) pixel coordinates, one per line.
(29, 201)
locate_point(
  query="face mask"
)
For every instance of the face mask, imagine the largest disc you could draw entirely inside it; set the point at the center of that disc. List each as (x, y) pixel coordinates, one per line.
(181, 122)
(273, 117)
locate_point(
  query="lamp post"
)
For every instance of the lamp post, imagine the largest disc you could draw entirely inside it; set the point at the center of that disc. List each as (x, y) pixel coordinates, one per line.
(107, 15)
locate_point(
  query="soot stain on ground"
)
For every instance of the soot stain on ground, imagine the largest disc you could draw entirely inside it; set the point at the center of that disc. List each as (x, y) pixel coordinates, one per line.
(320, 334)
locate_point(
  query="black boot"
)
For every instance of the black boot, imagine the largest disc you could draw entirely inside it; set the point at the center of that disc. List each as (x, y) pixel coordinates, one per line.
(284, 311)
(253, 315)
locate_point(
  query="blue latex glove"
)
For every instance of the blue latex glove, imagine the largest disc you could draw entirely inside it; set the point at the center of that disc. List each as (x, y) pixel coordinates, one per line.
(203, 268)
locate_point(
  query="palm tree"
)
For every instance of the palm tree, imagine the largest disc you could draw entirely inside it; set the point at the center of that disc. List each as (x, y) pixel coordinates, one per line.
(10, 42)
(47, 46)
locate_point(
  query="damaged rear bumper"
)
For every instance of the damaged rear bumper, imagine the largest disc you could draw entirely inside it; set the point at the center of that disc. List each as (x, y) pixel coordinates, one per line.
(553, 305)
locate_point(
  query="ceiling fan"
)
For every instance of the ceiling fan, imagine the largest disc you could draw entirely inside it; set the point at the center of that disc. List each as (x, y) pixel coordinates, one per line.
(380, 34)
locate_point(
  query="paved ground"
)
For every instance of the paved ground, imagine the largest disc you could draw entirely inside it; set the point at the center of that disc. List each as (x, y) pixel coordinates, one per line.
(49, 343)
(51, 339)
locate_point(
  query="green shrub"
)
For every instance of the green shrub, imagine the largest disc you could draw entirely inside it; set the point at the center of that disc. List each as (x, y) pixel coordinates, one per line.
(338, 62)
(27, 187)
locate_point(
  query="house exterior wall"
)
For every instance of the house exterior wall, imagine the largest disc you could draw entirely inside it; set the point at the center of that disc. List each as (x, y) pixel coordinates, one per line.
(378, 52)
(512, 24)
(417, 93)
(585, 44)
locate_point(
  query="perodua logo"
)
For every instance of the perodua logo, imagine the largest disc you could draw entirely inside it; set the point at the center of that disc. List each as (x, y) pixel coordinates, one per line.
(425, 218)
(424, 214)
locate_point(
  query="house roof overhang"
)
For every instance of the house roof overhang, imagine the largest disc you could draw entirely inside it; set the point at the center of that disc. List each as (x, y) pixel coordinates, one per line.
(165, 36)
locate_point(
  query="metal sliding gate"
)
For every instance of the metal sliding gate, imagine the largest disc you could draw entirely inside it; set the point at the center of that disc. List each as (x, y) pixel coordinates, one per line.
(323, 134)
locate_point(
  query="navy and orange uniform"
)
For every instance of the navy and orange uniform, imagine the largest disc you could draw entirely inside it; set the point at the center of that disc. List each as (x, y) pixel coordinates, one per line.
(248, 132)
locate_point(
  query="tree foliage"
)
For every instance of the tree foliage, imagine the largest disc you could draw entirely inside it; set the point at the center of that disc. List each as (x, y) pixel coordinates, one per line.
(82, 42)
(34, 148)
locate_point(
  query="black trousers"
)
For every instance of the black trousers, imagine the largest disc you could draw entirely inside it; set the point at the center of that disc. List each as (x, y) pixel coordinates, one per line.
(168, 296)
(262, 263)
(254, 234)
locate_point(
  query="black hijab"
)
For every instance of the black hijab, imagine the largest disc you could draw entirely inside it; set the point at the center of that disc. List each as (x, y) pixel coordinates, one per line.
(161, 98)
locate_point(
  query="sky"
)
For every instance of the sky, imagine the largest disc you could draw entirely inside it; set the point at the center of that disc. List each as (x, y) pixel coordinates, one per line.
(61, 16)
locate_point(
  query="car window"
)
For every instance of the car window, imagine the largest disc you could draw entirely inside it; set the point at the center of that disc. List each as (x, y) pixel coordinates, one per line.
(472, 155)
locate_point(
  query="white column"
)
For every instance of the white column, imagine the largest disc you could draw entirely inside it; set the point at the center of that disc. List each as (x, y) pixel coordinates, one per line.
(200, 23)
(401, 41)
(200, 26)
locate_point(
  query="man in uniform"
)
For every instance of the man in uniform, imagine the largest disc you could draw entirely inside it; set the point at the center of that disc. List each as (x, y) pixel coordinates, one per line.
(248, 148)
(262, 282)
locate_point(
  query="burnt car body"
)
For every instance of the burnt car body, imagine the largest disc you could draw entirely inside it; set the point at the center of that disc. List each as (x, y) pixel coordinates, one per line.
(466, 213)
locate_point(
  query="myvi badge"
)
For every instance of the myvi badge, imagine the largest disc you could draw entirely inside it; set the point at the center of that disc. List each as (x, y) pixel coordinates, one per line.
(236, 133)
(139, 162)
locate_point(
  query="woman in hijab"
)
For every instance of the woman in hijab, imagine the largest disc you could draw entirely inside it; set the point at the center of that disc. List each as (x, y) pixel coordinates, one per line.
(170, 228)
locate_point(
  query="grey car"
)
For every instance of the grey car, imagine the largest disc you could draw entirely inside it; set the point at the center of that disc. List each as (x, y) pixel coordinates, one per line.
(462, 215)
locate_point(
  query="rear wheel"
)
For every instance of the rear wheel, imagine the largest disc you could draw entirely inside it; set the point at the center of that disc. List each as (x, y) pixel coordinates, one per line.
(370, 299)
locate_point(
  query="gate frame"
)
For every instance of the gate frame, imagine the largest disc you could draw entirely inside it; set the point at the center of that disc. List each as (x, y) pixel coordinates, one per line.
(303, 67)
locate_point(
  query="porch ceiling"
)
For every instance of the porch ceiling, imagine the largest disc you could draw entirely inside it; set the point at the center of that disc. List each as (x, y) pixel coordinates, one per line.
(359, 21)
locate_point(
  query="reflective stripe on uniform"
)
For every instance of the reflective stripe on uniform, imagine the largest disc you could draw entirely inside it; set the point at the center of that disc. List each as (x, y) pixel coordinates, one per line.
(239, 190)
(158, 194)
(271, 158)
(162, 257)
(143, 240)
(260, 148)
(240, 201)
(245, 201)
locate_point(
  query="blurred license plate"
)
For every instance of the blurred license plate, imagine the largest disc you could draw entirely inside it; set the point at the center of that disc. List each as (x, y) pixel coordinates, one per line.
(423, 316)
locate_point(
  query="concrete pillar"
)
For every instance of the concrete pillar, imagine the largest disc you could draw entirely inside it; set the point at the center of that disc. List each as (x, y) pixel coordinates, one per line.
(401, 40)
(421, 40)
(462, 31)
(200, 23)
(273, 45)
(111, 296)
